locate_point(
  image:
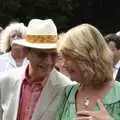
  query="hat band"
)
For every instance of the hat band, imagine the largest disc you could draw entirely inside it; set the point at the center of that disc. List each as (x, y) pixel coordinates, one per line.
(41, 38)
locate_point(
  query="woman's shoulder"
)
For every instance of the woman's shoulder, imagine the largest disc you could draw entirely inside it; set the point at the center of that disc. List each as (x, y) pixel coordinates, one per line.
(113, 95)
(71, 91)
(112, 101)
(66, 111)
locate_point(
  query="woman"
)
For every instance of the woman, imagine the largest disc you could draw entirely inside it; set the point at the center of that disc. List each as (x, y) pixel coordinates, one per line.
(88, 60)
(14, 55)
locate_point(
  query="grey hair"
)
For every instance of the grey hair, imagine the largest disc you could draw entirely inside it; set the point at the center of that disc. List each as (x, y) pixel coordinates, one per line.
(5, 34)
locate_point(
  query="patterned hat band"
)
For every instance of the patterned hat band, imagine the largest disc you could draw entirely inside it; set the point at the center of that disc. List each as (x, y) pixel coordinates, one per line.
(41, 38)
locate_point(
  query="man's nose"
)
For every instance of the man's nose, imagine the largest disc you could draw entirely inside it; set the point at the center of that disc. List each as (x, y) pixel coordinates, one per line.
(48, 57)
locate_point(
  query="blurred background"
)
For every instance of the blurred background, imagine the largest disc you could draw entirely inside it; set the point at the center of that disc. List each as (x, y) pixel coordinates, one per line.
(104, 14)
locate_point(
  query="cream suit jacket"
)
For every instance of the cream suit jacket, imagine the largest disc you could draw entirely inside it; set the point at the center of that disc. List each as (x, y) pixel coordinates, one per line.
(10, 86)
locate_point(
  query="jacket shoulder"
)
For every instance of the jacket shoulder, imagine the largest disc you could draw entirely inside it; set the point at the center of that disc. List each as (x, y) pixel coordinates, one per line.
(61, 79)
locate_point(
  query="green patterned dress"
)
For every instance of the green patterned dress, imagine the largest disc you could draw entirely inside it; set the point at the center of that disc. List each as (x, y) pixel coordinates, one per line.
(67, 110)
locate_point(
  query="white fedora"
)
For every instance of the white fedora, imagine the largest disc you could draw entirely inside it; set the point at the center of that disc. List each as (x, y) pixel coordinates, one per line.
(41, 34)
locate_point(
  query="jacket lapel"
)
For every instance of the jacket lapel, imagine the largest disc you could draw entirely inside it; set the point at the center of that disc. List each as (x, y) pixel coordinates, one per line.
(15, 95)
(13, 106)
(48, 94)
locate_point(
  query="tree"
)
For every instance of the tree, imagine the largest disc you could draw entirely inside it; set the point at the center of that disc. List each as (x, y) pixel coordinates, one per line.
(65, 13)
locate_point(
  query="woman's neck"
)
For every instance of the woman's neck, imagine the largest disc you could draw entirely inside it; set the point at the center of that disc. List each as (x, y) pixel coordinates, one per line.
(86, 97)
(90, 90)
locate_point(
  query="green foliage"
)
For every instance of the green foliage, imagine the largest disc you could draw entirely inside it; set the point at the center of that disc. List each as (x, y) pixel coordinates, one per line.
(65, 13)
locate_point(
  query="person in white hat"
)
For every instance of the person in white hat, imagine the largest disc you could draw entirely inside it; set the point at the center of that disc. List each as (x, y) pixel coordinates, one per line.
(34, 92)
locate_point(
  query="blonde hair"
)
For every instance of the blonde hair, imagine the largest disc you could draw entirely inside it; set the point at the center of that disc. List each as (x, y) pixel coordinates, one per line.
(5, 35)
(86, 46)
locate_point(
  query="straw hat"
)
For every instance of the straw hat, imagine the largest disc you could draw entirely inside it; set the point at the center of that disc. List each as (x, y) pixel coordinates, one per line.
(41, 34)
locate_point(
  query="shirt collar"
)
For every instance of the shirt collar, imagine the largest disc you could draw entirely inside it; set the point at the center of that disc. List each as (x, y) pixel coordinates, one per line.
(35, 81)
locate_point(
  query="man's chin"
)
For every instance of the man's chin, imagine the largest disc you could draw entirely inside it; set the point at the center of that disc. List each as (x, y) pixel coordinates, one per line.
(44, 73)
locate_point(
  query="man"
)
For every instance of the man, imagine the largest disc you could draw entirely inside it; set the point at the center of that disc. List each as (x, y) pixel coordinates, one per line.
(34, 92)
(114, 43)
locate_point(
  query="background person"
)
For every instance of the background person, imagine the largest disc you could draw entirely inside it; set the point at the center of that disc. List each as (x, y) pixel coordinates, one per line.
(14, 55)
(1, 29)
(113, 42)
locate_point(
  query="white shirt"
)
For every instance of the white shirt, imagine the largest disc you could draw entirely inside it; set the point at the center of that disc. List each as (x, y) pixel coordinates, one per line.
(115, 69)
(7, 62)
